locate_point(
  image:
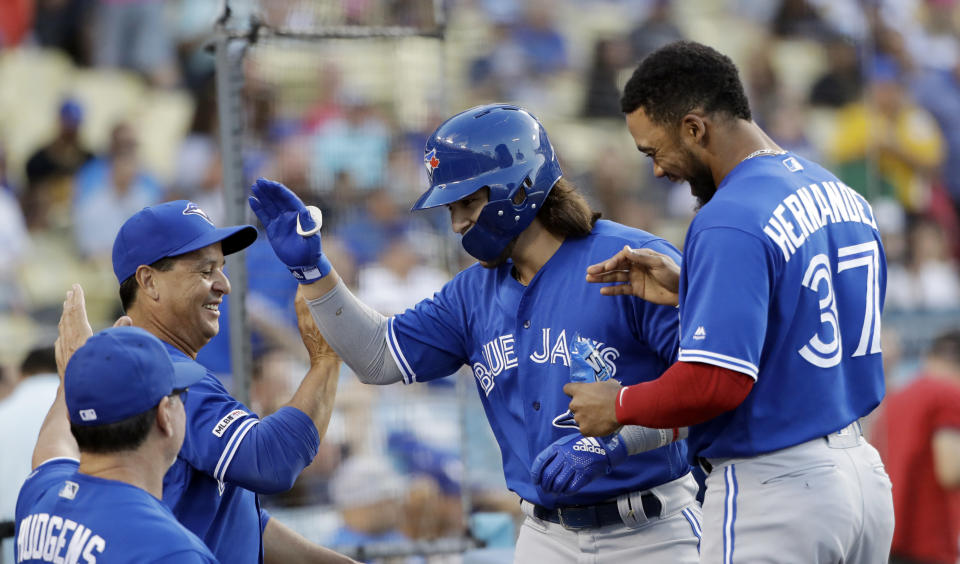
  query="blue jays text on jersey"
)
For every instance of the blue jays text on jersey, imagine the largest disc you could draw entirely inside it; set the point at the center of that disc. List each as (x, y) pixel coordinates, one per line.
(67, 517)
(517, 339)
(783, 278)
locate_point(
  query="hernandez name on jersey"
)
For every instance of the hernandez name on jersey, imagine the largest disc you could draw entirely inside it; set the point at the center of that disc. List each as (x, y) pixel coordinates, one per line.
(517, 341)
(789, 277)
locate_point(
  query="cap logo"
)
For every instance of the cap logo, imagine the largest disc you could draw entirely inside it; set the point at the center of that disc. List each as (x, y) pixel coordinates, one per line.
(431, 161)
(194, 209)
(88, 414)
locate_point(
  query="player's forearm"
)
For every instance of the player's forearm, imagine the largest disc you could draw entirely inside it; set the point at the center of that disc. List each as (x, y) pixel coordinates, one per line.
(283, 545)
(55, 439)
(642, 439)
(356, 332)
(317, 392)
(687, 394)
(320, 288)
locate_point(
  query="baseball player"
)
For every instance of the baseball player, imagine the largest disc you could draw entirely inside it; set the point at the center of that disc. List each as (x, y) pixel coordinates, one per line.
(780, 293)
(97, 498)
(513, 319)
(169, 259)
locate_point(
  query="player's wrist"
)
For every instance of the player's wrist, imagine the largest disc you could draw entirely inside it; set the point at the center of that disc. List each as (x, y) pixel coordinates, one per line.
(616, 449)
(312, 273)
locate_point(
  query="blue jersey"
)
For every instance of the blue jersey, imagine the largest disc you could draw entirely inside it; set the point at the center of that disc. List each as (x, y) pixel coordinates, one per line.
(516, 339)
(69, 517)
(783, 279)
(225, 515)
(228, 455)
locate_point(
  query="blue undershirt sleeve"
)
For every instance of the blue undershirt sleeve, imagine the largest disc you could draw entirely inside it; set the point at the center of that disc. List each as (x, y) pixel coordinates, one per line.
(267, 455)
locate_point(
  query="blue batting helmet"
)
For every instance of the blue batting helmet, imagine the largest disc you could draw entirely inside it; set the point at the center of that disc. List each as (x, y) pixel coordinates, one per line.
(501, 147)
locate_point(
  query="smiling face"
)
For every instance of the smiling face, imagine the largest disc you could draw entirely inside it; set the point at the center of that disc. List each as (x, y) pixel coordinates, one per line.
(672, 158)
(190, 295)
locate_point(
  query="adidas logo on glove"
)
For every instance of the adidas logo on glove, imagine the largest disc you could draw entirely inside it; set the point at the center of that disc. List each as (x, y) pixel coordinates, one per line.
(589, 444)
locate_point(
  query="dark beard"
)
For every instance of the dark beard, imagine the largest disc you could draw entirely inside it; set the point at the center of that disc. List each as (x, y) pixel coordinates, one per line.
(701, 182)
(703, 190)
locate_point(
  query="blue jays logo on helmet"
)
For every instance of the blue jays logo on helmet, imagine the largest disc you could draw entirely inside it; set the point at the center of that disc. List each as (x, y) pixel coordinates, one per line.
(431, 161)
(194, 209)
(500, 147)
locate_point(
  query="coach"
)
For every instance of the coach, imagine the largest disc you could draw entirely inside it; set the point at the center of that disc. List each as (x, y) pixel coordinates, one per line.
(169, 260)
(98, 472)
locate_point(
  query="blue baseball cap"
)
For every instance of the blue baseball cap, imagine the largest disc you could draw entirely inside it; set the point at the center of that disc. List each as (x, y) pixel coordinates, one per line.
(121, 372)
(71, 112)
(170, 229)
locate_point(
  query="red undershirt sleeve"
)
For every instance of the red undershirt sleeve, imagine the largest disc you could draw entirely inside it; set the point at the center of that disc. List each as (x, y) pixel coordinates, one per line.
(686, 394)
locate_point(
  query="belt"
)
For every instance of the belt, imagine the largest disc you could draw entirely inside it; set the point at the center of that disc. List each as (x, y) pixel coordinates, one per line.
(595, 516)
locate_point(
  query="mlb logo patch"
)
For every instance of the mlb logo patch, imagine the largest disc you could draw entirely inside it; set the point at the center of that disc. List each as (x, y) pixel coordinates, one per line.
(194, 209)
(229, 419)
(792, 164)
(88, 415)
(69, 490)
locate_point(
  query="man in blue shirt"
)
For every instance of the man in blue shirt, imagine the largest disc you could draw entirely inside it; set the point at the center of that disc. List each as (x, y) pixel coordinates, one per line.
(780, 292)
(120, 398)
(169, 261)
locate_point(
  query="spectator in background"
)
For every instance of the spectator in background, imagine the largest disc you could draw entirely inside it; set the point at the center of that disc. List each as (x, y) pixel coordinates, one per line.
(930, 280)
(356, 143)
(15, 16)
(602, 99)
(107, 191)
(133, 34)
(888, 131)
(655, 31)
(399, 279)
(938, 91)
(369, 229)
(21, 415)
(368, 492)
(14, 243)
(764, 88)
(842, 82)
(64, 25)
(522, 56)
(51, 168)
(918, 435)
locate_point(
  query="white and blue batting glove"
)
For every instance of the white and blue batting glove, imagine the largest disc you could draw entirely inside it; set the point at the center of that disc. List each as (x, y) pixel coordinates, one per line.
(573, 461)
(292, 228)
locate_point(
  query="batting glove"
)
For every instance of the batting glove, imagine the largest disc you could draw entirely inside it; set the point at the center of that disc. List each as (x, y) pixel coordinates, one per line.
(573, 461)
(292, 228)
(586, 364)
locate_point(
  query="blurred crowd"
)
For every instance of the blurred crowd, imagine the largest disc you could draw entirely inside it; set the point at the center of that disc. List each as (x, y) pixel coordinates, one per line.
(110, 105)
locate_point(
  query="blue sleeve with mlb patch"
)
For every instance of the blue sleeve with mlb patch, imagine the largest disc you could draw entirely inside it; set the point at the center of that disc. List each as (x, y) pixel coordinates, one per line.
(47, 475)
(724, 321)
(428, 341)
(228, 442)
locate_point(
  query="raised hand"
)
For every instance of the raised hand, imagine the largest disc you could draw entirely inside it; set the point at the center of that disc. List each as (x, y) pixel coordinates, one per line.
(573, 461)
(292, 228)
(74, 328)
(643, 273)
(317, 346)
